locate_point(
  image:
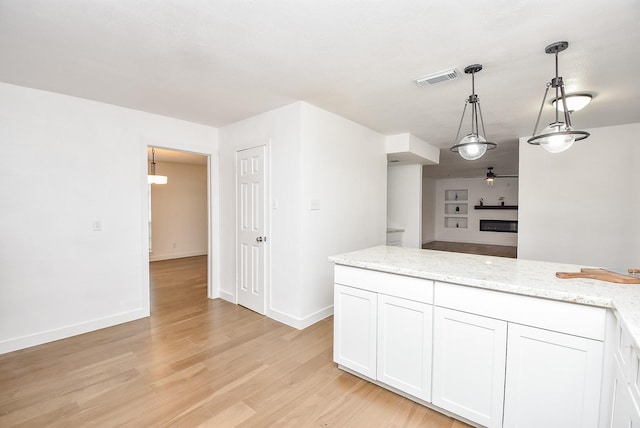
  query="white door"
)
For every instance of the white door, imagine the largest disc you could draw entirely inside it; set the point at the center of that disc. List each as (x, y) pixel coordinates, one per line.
(469, 353)
(553, 371)
(251, 239)
(354, 337)
(404, 345)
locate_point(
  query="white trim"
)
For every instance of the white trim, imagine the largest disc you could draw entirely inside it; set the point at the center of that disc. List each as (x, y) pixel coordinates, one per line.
(213, 214)
(229, 297)
(213, 206)
(145, 188)
(300, 323)
(46, 336)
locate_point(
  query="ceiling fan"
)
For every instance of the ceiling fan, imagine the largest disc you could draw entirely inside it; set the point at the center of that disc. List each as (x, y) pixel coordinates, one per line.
(491, 176)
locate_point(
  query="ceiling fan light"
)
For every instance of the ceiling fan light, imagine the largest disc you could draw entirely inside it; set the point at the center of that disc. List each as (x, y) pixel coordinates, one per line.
(575, 102)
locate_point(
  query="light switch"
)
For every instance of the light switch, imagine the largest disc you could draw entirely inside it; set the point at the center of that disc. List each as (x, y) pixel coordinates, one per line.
(96, 226)
(274, 204)
(314, 204)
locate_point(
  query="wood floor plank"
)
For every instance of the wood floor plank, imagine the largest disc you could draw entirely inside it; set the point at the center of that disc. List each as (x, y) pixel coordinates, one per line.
(196, 362)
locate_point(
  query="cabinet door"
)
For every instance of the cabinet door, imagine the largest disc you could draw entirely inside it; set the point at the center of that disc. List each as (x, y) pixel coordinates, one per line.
(354, 338)
(404, 345)
(468, 365)
(553, 379)
(624, 412)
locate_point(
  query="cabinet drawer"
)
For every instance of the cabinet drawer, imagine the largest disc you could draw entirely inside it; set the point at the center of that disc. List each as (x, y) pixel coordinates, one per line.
(406, 287)
(570, 318)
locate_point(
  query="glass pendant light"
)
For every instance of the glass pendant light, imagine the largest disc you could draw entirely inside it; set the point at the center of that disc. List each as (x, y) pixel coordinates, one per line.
(558, 136)
(474, 145)
(152, 178)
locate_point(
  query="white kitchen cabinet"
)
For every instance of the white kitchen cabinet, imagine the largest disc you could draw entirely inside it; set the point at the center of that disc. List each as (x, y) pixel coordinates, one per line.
(384, 337)
(552, 379)
(394, 239)
(404, 345)
(355, 329)
(625, 412)
(488, 357)
(468, 365)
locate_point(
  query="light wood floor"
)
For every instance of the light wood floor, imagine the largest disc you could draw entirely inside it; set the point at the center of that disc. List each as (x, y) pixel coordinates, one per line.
(196, 362)
(483, 249)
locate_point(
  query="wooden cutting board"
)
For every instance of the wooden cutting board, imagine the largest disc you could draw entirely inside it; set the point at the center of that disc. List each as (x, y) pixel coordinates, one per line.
(600, 274)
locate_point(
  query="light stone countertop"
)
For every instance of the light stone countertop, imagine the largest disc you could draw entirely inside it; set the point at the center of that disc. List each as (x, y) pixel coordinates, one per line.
(525, 277)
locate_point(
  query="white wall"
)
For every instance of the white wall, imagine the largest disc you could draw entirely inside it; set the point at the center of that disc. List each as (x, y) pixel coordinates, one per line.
(428, 209)
(582, 206)
(314, 154)
(477, 188)
(279, 130)
(66, 164)
(404, 202)
(344, 166)
(179, 212)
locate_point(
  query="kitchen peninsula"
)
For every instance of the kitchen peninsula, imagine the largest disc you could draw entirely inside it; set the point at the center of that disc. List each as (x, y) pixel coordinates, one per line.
(493, 341)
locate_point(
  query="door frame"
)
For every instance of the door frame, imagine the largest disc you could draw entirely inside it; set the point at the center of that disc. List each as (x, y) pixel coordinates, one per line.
(267, 220)
(213, 215)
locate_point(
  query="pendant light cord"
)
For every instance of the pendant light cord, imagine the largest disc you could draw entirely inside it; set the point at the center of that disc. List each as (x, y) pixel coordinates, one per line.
(557, 86)
(461, 119)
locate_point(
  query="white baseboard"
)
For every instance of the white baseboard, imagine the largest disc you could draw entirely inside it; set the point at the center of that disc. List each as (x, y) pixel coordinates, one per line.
(17, 343)
(171, 256)
(300, 323)
(229, 297)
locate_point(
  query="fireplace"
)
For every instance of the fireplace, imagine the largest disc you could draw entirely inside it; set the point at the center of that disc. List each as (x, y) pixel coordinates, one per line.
(510, 226)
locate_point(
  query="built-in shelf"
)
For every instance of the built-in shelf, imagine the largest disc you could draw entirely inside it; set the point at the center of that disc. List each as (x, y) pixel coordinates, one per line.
(496, 207)
(456, 195)
(455, 209)
(455, 222)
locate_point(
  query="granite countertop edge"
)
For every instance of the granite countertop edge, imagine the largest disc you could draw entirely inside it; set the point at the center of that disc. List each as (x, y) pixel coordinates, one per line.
(518, 276)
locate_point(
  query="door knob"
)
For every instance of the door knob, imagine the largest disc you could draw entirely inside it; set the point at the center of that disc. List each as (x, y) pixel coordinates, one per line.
(259, 239)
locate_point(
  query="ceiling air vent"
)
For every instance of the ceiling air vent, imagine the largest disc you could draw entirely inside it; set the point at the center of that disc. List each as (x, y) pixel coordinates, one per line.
(441, 76)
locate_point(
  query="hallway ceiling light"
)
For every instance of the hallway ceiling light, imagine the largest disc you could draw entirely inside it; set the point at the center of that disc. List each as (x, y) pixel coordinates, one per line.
(558, 136)
(152, 178)
(575, 102)
(474, 145)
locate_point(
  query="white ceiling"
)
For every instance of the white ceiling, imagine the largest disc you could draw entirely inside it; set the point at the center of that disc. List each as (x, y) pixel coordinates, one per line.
(219, 61)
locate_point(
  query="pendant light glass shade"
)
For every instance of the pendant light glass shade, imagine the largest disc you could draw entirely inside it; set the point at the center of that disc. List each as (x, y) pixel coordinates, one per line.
(152, 178)
(558, 136)
(474, 145)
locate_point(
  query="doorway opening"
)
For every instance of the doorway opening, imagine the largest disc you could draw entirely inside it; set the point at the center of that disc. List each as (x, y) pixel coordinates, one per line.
(179, 220)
